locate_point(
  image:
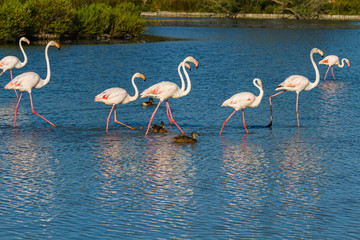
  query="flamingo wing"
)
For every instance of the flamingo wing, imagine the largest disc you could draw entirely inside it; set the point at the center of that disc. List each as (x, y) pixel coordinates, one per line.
(162, 90)
(330, 60)
(239, 100)
(8, 62)
(112, 96)
(293, 83)
(24, 82)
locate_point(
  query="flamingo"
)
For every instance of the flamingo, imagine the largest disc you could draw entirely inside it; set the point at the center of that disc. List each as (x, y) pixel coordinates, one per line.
(27, 81)
(114, 96)
(168, 112)
(243, 100)
(332, 60)
(10, 62)
(297, 83)
(165, 90)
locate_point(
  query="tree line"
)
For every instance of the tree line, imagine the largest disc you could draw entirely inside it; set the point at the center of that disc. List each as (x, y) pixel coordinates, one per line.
(86, 19)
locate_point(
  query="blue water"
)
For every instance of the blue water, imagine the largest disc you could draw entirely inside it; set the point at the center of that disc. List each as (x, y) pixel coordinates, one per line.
(76, 181)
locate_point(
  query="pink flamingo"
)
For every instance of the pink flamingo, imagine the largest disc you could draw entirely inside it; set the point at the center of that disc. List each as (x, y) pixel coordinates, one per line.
(27, 81)
(297, 83)
(165, 90)
(332, 60)
(10, 62)
(243, 100)
(114, 96)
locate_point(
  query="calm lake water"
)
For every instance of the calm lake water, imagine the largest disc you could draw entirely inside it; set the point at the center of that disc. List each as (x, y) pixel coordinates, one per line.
(76, 181)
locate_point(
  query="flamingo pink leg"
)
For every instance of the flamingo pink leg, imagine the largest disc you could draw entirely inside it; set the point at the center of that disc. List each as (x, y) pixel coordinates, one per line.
(168, 113)
(270, 124)
(326, 72)
(16, 109)
(297, 112)
(33, 111)
(226, 121)
(11, 80)
(332, 71)
(244, 121)
(107, 121)
(172, 119)
(118, 121)
(152, 116)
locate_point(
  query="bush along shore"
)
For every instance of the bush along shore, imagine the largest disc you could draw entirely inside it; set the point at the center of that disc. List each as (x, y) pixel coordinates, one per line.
(58, 19)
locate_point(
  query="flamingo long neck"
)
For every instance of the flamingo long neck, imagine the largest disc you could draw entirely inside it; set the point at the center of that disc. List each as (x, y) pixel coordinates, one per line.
(342, 62)
(25, 57)
(181, 77)
(45, 81)
(133, 98)
(188, 88)
(258, 98)
(311, 85)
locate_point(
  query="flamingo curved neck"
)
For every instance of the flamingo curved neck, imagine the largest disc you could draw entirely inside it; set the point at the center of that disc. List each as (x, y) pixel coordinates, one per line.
(45, 81)
(188, 88)
(25, 57)
(133, 98)
(342, 62)
(181, 77)
(311, 85)
(259, 97)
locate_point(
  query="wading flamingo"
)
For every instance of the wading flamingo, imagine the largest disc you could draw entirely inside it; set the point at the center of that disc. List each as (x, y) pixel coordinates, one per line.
(10, 62)
(165, 90)
(114, 96)
(27, 81)
(243, 100)
(168, 112)
(297, 83)
(332, 60)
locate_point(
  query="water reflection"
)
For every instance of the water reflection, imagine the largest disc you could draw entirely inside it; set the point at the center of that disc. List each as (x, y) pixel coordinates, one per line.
(30, 175)
(170, 170)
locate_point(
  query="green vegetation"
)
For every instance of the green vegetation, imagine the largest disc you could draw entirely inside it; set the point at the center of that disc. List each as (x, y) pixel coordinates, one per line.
(87, 19)
(66, 19)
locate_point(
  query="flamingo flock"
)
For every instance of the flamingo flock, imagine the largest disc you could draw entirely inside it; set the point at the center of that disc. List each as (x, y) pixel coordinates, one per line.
(165, 90)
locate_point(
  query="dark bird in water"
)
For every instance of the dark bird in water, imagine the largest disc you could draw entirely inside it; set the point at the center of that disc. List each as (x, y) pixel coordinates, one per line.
(159, 129)
(186, 139)
(149, 103)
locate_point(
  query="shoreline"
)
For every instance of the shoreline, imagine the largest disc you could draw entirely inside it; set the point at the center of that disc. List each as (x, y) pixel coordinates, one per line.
(166, 14)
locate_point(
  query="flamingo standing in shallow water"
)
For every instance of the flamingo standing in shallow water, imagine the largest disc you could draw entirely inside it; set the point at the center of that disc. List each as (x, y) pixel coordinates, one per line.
(27, 81)
(113, 96)
(10, 62)
(297, 83)
(165, 90)
(243, 100)
(332, 60)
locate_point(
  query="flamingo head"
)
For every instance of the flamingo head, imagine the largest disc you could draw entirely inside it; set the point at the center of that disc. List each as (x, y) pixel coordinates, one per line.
(316, 50)
(55, 44)
(139, 75)
(193, 60)
(188, 66)
(259, 82)
(348, 62)
(24, 39)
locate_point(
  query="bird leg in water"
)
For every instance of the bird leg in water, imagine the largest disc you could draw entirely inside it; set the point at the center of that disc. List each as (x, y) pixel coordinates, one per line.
(172, 119)
(226, 121)
(168, 113)
(16, 109)
(118, 121)
(152, 116)
(33, 111)
(244, 121)
(270, 124)
(297, 112)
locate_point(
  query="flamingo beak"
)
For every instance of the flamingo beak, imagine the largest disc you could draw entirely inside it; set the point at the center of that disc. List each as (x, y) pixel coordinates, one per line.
(143, 77)
(58, 46)
(188, 66)
(196, 63)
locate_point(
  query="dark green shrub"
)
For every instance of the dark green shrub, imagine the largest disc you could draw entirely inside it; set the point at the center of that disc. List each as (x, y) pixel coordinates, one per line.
(15, 21)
